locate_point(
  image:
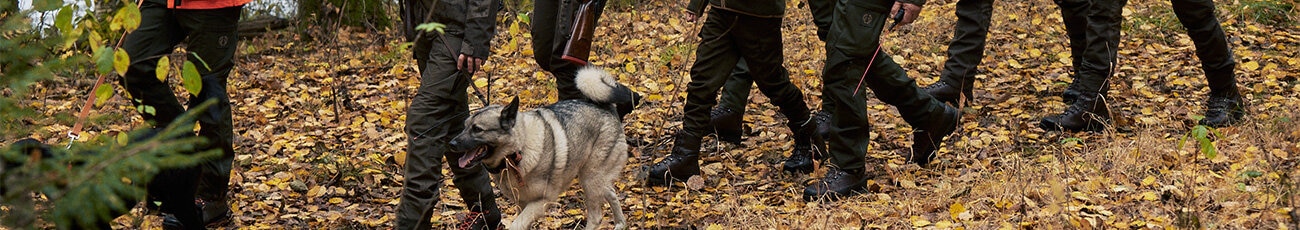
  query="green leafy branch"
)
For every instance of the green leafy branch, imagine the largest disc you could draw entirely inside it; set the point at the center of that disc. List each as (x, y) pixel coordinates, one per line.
(1201, 134)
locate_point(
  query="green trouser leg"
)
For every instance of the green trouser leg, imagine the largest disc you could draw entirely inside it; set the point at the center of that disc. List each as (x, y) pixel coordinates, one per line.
(1102, 39)
(735, 92)
(966, 49)
(1197, 16)
(822, 11)
(211, 35)
(1074, 13)
(552, 26)
(726, 38)
(436, 115)
(854, 38)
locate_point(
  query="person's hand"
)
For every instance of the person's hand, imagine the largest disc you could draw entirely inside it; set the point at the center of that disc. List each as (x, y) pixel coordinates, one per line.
(911, 11)
(469, 64)
(690, 16)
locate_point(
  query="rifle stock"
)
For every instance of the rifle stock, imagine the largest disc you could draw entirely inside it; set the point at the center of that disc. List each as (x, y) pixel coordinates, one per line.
(578, 48)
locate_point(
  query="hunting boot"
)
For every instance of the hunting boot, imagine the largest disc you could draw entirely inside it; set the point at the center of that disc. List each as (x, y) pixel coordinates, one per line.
(727, 123)
(1071, 94)
(948, 93)
(927, 137)
(679, 165)
(475, 188)
(215, 210)
(823, 125)
(1089, 113)
(485, 220)
(837, 183)
(1223, 109)
(801, 158)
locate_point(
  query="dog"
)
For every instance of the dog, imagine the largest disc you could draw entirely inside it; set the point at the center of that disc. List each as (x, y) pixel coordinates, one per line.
(540, 152)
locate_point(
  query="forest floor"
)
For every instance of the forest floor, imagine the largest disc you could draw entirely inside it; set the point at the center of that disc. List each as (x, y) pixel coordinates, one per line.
(320, 140)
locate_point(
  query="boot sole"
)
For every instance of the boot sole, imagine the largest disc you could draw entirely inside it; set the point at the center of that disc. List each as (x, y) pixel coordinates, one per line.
(660, 181)
(1091, 127)
(1236, 119)
(798, 169)
(734, 139)
(936, 144)
(834, 197)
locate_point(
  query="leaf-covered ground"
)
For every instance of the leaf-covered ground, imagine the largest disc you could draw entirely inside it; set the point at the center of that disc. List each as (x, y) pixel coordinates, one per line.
(319, 129)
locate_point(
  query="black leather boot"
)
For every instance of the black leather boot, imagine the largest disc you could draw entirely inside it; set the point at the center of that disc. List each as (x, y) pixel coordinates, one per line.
(679, 165)
(823, 119)
(727, 123)
(475, 185)
(837, 183)
(1223, 109)
(948, 93)
(214, 210)
(482, 220)
(1071, 94)
(801, 158)
(926, 138)
(1086, 114)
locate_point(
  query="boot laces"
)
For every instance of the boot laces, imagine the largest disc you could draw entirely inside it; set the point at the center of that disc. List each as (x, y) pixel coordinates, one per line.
(719, 111)
(1079, 107)
(834, 174)
(1073, 109)
(672, 159)
(470, 219)
(1219, 105)
(936, 85)
(822, 116)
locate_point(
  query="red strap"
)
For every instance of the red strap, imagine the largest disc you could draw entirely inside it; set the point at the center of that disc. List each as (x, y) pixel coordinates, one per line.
(872, 62)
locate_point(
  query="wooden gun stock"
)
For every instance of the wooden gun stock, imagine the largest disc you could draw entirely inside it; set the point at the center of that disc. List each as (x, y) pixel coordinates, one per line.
(578, 48)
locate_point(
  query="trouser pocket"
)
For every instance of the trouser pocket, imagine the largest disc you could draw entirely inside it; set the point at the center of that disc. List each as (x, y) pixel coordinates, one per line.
(857, 26)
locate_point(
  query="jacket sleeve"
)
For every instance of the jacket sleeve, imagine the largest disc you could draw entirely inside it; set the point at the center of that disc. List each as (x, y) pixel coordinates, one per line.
(480, 26)
(697, 7)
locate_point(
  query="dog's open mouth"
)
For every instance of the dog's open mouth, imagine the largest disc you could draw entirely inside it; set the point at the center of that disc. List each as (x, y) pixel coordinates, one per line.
(472, 155)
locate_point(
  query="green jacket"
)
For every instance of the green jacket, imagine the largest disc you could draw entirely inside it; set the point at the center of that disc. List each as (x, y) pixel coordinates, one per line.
(472, 20)
(756, 8)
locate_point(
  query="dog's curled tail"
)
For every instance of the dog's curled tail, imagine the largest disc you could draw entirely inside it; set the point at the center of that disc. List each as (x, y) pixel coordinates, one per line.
(601, 87)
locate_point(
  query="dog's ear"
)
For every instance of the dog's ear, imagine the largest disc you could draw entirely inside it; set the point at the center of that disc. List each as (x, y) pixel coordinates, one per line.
(509, 113)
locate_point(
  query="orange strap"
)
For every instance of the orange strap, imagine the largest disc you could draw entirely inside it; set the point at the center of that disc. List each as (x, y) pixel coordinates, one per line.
(75, 132)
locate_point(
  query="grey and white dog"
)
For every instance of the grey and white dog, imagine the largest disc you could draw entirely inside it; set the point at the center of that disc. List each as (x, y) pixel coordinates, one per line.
(539, 153)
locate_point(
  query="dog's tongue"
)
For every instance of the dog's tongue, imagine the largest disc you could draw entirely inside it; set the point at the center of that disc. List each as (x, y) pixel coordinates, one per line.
(464, 160)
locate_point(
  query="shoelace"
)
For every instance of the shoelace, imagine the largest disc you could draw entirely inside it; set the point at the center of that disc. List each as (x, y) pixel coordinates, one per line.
(470, 219)
(1219, 105)
(674, 158)
(834, 174)
(936, 85)
(823, 116)
(719, 112)
(1073, 109)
